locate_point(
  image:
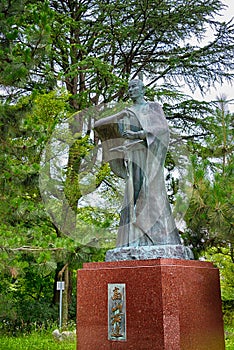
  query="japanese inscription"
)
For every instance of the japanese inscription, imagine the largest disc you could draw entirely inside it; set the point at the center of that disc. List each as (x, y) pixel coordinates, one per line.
(116, 311)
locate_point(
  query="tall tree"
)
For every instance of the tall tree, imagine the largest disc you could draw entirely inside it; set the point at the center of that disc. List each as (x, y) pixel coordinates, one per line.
(210, 217)
(94, 46)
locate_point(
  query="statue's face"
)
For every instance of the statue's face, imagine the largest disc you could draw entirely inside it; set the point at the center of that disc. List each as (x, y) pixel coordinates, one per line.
(135, 89)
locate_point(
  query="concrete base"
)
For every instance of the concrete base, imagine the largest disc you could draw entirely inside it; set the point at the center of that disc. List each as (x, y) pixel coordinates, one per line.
(150, 252)
(169, 304)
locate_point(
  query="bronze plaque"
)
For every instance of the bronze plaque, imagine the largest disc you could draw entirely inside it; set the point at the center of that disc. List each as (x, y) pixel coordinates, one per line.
(117, 311)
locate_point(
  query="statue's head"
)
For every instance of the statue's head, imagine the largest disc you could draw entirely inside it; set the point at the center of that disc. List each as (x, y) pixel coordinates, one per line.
(136, 88)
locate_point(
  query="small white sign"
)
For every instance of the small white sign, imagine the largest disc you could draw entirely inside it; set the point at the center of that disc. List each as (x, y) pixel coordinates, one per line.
(60, 285)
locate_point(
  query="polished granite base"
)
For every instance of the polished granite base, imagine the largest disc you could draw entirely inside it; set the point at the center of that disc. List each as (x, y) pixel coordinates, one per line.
(161, 304)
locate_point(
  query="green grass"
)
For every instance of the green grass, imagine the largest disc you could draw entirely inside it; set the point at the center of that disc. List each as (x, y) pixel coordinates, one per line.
(35, 341)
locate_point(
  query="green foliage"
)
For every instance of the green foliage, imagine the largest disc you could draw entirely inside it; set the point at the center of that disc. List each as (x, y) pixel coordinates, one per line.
(26, 294)
(93, 47)
(210, 215)
(25, 41)
(223, 259)
(229, 338)
(25, 130)
(31, 247)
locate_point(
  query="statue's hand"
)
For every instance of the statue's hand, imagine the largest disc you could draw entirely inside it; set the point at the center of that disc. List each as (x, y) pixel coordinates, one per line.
(132, 135)
(129, 134)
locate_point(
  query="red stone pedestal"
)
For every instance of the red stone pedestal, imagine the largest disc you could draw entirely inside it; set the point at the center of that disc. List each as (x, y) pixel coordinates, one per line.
(170, 305)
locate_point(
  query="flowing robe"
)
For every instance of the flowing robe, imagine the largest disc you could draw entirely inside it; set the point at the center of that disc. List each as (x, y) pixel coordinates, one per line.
(146, 217)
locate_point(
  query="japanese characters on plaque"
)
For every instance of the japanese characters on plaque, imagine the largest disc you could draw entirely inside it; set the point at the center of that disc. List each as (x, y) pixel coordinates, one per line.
(117, 311)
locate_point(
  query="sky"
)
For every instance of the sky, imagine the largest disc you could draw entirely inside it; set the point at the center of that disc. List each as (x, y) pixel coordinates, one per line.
(225, 88)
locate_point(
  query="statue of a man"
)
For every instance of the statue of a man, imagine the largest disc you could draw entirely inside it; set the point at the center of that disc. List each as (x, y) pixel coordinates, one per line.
(137, 140)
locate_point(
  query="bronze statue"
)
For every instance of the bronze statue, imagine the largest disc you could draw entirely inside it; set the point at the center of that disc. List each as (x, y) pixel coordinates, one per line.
(135, 142)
